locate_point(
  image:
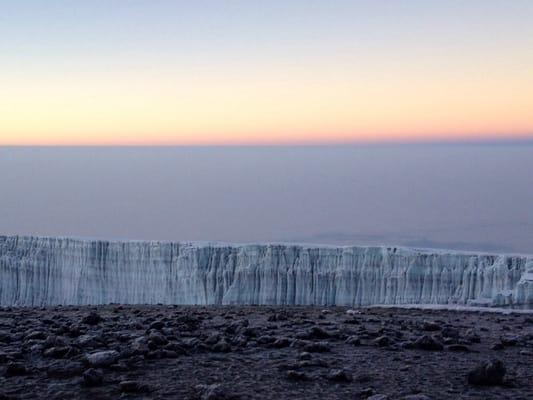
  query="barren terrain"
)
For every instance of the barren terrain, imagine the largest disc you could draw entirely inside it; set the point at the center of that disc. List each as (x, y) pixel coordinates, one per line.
(246, 352)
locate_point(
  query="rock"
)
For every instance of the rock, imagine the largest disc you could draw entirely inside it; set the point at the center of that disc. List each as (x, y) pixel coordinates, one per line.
(222, 347)
(133, 387)
(489, 373)
(280, 343)
(320, 347)
(430, 326)
(497, 346)
(239, 341)
(93, 318)
(266, 339)
(509, 340)
(102, 358)
(88, 340)
(365, 393)
(353, 340)
(416, 397)
(191, 343)
(5, 337)
(157, 325)
(297, 375)
(450, 332)
(139, 345)
(4, 396)
(56, 352)
(93, 377)
(364, 378)
(339, 375)
(214, 392)
(212, 339)
(250, 332)
(458, 347)
(135, 361)
(313, 363)
(15, 369)
(353, 312)
(277, 317)
(35, 349)
(378, 397)
(55, 341)
(36, 335)
(64, 369)
(316, 332)
(176, 348)
(383, 341)
(157, 339)
(427, 342)
(472, 336)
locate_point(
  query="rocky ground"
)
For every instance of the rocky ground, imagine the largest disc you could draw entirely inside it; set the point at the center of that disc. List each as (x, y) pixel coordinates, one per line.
(181, 352)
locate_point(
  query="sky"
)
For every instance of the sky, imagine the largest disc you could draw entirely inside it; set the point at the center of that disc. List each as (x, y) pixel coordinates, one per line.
(222, 72)
(454, 196)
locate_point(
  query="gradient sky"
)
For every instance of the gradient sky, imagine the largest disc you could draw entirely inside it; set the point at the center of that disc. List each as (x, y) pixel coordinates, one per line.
(226, 72)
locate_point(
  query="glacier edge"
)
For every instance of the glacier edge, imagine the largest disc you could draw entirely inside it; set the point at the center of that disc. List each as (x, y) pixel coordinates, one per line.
(37, 271)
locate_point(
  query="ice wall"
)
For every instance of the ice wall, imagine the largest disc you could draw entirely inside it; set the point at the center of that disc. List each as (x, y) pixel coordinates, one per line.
(47, 271)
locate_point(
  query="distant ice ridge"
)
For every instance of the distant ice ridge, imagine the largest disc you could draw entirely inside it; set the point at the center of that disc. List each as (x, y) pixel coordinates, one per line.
(38, 271)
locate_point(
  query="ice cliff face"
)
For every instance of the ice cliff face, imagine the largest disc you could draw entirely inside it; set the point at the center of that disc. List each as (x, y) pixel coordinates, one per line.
(47, 271)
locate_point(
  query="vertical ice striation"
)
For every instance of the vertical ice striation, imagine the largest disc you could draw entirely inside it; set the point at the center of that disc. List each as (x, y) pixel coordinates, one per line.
(47, 271)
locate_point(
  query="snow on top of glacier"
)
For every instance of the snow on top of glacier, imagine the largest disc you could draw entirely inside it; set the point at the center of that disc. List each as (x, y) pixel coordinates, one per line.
(303, 245)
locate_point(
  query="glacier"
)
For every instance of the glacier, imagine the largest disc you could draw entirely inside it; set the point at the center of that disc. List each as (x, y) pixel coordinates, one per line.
(38, 271)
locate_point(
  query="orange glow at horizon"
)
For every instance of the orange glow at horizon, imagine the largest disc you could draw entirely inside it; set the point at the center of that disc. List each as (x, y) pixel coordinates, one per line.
(267, 108)
(267, 140)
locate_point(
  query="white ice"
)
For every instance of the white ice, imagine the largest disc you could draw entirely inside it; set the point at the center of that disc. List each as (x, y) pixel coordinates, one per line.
(49, 271)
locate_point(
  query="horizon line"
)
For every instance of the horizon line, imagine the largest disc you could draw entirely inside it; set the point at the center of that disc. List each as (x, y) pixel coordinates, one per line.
(514, 140)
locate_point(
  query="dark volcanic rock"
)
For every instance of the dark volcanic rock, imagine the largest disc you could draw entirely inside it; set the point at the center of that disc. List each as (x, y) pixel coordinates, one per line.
(339, 375)
(133, 387)
(93, 377)
(489, 373)
(215, 392)
(102, 358)
(317, 333)
(319, 347)
(57, 352)
(458, 347)
(280, 343)
(354, 340)
(64, 369)
(450, 332)
(157, 325)
(430, 326)
(222, 347)
(297, 375)
(472, 336)
(427, 342)
(92, 319)
(15, 369)
(5, 337)
(383, 341)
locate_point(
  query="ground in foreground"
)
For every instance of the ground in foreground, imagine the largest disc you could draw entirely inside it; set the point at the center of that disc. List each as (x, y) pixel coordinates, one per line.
(238, 352)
